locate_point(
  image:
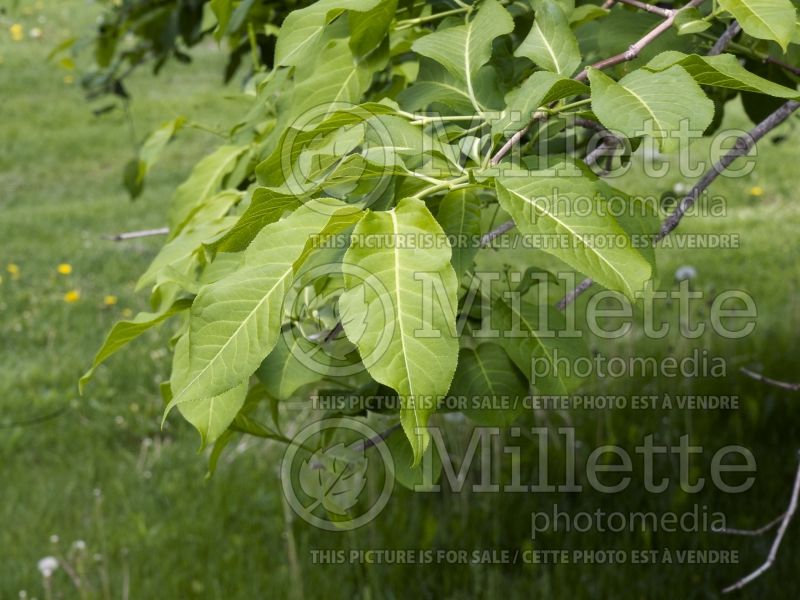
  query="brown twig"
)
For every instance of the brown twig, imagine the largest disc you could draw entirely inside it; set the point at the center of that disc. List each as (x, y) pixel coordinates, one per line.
(776, 543)
(487, 238)
(792, 387)
(719, 46)
(130, 235)
(608, 143)
(381, 437)
(651, 8)
(637, 47)
(751, 532)
(779, 63)
(631, 53)
(742, 146)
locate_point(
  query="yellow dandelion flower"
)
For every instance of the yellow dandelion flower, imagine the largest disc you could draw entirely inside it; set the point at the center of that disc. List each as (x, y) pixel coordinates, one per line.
(756, 190)
(17, 33)
(13, 270)
(127, 313)
(65, 268)
(72, 296)
(110, 300)
(69, 79)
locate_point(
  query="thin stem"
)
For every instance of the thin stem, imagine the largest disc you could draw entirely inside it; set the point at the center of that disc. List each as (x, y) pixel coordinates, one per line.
(636, 48)
(751, 532)
(441, 185)
(742, 146)
(629, 54)
(406, 23)
(755, 54)
(563, 107)
(726, 38)
(651, 8)
(792, 387)
(776, 543)
(490, 236)
(130, 235)
(423, 120)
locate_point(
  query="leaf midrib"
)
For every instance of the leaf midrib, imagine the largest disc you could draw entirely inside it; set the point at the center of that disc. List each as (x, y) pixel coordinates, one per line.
(588, 247)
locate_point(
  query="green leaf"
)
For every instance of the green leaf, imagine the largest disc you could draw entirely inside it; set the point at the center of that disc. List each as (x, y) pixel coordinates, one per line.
(586, 13)
(180, 252)
(436, 85)
(244, 424)
(301, 32)
(282, 373)
(335, 76)
(551, 43)
(764, 19)
(547, 206)
(367, 29)
(206, 179)
(530, 336)
(211, 415)
(537, 91)
(239, 16)
(220, 444)
(464, 49)
(222, 10)
(235, 322)
(656, 103)
(460, 217)
(209, 210)
(124, 332)
(335, 477)
(148, 155)
(690, 21)
(405, 472)
(266, 206)
(722, 71)
(490, 385)
(309, 139)
(404, 330)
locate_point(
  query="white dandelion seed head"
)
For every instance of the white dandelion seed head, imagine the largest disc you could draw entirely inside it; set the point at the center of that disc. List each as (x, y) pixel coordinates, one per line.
(685, 272)
(47, 566)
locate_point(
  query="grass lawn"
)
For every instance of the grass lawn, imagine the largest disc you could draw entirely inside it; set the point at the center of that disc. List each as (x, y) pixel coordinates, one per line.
(98, 470)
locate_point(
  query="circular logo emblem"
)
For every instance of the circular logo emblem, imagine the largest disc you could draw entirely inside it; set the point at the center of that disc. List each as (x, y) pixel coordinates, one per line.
(324, 311)
(323, 477)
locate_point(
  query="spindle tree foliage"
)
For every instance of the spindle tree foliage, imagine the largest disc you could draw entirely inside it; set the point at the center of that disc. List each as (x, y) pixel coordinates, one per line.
(330, 242)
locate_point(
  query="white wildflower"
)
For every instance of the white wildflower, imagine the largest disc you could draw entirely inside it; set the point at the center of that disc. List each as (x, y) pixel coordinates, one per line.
(685, 272)
(47, 566)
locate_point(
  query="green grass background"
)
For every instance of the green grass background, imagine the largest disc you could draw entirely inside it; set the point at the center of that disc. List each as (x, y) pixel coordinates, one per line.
(99, 469)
